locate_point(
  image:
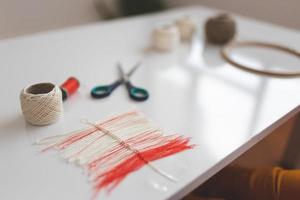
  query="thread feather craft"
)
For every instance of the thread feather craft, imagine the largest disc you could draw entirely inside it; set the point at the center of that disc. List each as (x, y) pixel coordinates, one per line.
(111, 150)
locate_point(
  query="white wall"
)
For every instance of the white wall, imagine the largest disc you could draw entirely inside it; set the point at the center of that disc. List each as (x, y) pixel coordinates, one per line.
(18, 17)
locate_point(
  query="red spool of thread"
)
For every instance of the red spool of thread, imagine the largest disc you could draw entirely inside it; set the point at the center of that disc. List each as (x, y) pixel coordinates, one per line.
(69, 87)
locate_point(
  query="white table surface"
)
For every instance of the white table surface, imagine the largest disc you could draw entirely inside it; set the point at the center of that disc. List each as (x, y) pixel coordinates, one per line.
(193, 92)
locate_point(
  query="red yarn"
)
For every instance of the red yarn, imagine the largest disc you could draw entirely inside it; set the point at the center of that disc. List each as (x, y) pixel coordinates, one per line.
(113, 177)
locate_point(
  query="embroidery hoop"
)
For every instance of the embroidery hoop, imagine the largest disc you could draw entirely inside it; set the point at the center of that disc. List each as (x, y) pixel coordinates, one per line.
(225, 52)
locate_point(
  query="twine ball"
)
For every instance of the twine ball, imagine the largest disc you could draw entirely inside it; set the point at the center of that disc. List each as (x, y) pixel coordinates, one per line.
(186, 27)
(165, 37)
(220, 29)
(41, 103)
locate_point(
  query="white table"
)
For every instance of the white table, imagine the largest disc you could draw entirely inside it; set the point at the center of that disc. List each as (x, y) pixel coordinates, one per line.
(193, 92)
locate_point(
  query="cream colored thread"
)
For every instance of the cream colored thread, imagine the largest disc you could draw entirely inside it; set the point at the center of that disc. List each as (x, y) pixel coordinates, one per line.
(165, 37)
(41, 108)
(186, 27)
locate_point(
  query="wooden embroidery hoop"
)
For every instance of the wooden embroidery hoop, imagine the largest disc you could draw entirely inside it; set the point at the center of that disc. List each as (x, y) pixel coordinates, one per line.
(225, 52)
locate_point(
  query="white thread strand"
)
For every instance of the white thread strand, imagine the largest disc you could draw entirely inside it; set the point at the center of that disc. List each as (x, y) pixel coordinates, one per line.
(41, 103)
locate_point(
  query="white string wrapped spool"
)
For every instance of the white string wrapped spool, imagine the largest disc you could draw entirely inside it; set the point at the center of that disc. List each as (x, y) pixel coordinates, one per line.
(41, 103)
(165, 37)
(187, 27)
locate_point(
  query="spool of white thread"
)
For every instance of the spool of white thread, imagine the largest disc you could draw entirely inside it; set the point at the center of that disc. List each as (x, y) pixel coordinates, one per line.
(41, 103)
(186, 27)
(165, 37)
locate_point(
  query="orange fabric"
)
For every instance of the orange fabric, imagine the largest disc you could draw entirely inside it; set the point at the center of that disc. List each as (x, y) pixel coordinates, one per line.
(235, 183)
(289, 187)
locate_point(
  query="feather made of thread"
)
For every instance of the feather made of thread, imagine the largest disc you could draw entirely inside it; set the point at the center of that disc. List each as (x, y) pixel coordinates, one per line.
(112, 149)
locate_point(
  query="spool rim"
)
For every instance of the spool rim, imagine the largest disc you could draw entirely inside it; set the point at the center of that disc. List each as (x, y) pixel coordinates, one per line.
(39, 89)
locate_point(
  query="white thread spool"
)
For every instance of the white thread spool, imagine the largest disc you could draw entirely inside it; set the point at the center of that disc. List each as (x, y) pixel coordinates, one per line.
(186, 27)
(165, 37)
(41, 103)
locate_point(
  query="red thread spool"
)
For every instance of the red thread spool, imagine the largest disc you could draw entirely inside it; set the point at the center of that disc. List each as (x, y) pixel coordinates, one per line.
(69, 87)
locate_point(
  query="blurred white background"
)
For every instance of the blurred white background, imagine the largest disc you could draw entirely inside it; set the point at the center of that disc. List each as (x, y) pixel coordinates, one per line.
(19, 17)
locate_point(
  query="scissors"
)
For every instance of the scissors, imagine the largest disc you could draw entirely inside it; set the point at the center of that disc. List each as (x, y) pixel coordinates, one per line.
(135, 93)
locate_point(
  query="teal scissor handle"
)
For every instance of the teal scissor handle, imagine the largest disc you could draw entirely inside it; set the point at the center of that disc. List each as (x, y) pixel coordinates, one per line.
(136, 93)
(102, 91)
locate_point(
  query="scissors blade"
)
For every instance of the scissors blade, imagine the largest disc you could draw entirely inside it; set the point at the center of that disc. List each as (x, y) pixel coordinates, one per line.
(134, 68)
(123, 76)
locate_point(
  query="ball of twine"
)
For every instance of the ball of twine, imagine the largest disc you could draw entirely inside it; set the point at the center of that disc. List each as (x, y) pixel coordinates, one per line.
(220, 29)
(41, 103)
(165, 37)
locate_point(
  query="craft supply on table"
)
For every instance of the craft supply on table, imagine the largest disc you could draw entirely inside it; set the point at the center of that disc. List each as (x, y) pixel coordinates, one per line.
(220, 29)
(135, 93)
(187, 27)
(41, 103)
(69, 87)
(225, 51)
(165, 37)
(112, 149)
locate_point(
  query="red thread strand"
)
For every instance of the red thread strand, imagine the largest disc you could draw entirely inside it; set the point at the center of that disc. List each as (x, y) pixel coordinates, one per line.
(113, 177)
